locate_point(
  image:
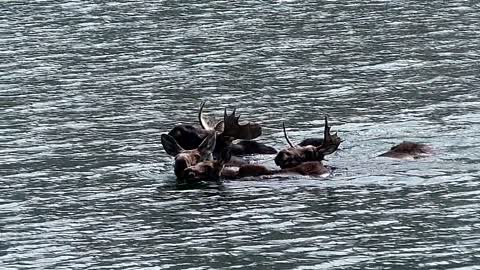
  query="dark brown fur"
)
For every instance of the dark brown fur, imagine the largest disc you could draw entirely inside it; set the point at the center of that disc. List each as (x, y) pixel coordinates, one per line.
(408, 150)
(209, 170)
(307, 168)
(204, 171)
(189, 137)
(311, 168)
(296, 155)
(187, 158)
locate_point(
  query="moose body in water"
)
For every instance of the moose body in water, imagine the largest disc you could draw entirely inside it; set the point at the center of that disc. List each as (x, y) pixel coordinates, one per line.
(205, 153)
(223, 133)
(300, 160)
(298, 154)
(230, 134)
(408, 151)
(215, 170)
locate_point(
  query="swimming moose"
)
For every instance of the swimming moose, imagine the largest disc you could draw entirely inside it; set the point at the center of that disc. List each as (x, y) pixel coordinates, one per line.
(205, 153)
(239, 138)
(193, 165)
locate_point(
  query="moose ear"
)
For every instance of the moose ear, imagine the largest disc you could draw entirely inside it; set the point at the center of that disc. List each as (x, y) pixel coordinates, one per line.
(208, 144)
(219, 127)
(170, 145)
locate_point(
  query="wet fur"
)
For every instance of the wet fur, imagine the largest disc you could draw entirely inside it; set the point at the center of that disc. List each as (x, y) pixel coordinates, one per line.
(249, 147)
(189, 137)
(203, 171)
(188, 158)
(312, 168)
(210, 170)
(311, 141)
(295, 156)
(310, 150)
(408, 150)
(307, 168)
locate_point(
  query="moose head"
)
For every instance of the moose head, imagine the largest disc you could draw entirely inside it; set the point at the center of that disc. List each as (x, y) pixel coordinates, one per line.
(227, 130)
(189, 136)
(187, 158)
(209, 170)
(295, 155)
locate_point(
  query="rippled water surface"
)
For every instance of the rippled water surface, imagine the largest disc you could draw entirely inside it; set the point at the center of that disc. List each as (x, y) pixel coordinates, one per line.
(86, 89)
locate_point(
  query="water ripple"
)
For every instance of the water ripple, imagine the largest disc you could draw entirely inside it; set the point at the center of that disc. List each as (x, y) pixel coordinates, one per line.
(87, 88)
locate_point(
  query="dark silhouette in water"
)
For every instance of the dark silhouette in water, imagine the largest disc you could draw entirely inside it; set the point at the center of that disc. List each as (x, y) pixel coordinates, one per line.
(187, 158)
(214, 170)
(228, 130)
(408, 150)
(311, 141)
(249, 147)
(302, 160)
(197, 164)
(210, 170)
(312, 168)
(296, 155)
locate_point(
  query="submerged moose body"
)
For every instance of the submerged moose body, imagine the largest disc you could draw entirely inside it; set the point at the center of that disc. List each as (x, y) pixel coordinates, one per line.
(196, 161)
(309, 168)
(210, 152)
(297, 154)
(230, 133)
(197, 164)
(408, 151)
(215, 170)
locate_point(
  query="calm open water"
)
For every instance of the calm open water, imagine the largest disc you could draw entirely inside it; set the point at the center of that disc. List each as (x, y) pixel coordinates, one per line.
(87, 88)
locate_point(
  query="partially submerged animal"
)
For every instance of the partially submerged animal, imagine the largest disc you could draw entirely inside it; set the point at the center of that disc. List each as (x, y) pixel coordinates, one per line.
(194, 165)
(215, 170)
(197, 163)
(209, 170)
(230, 133)
(310, 168)
(205, 153)
(187, 158)
(311, 141)
(408, 151)
(296, 154)
(300, 160)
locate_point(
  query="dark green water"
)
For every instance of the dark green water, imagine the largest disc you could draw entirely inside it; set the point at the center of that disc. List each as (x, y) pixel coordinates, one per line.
(86, 89)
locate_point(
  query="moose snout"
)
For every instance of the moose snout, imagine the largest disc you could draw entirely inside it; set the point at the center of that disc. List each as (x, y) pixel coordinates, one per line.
(189, 174)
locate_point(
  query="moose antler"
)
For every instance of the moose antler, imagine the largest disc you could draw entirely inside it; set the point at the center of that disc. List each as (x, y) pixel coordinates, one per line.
(331, 142)
(201, 119)
(206, 123)
(286, 136)
(232, 127)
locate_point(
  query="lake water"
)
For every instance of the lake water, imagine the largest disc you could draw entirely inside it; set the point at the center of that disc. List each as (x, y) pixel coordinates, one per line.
(87, 88)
